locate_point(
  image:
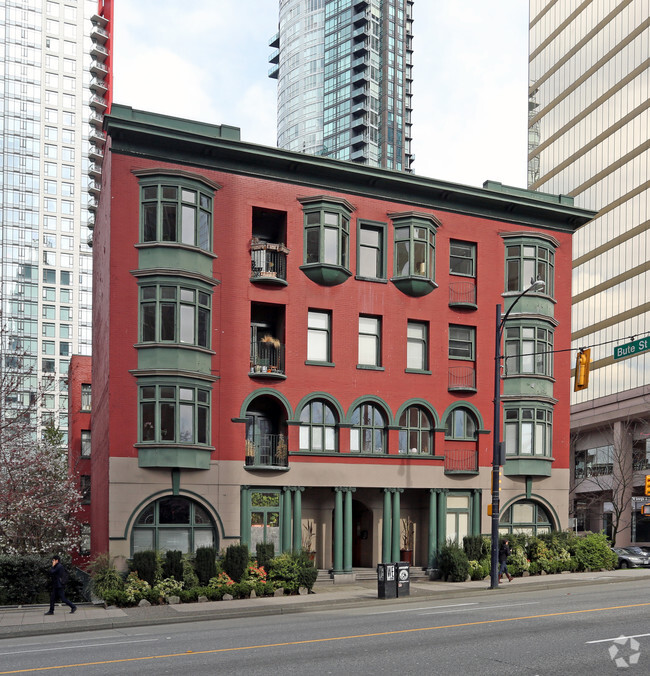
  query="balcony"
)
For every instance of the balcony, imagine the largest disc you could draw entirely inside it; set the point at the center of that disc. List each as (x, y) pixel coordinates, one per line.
(96, 154)
(461, 379)
(98, 85)
(99, 69)
(98, 51)
(267, 452)
(463, 294)
(95, 171)
(98, 103)
(267, 358)
(94, 188)
(97, 137)
(461, 460)
(269, 262)
(96, 120)
(274, 72)
(98, 34)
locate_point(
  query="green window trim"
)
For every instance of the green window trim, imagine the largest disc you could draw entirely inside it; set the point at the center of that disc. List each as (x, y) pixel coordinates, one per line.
(371, 250)
(461, 425)
(416, 431)
(173, 312)
(462, 342)
(368, 433)
(319, 336)
(318, 427)
(177, 210)
(369, 341)
(462, 258)
(527, 259)
(528, 430)
(528, 349)
(417, 347)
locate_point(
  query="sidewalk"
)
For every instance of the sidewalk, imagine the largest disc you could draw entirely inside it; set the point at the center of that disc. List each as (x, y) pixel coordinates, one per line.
(30, 620)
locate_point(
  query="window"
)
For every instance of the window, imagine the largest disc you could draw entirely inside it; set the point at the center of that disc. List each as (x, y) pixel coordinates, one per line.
(368, 433)
(415, 238)
(176, 211)
(529, 350)
(86, 397)
(461, 342)
(369, 341)
(528, 261)
(461, 425)
(318, 427)
(174, 314)
(49, 276)
(528, 431)
(175, 414)
(527, 517)
(462, 258)
(265, 518)
(370, 260)
(85, 443)
(49, 330)
(174, 523)
(49, 365)
(417, 351)
(319, 344)
(416, 433)
(84, 486)
(84, 545)
(458, 515)
(597, 461)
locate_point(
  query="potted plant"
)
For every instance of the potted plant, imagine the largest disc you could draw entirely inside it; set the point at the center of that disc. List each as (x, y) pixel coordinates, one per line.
(406, 552)
(281, 450)
(250, 452)
(308, 539)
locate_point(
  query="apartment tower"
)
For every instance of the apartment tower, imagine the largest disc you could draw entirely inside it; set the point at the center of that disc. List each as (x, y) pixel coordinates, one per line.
(589, 137)
(344, 71)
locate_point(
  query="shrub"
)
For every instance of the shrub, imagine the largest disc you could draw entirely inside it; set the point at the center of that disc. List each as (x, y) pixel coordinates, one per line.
(173, 565)
(117, 597)
(105, 577)
(478, 570)
(221, 581)
(476, 547)
(168, 587)
(190, 578)
(145, 565)
(136, 589)
(205, 564)
(264, 552)
(453, 563)
(235, 561)
(592, 551)
(535, 568)
(293, 570)
(24, 579)
(518, 562)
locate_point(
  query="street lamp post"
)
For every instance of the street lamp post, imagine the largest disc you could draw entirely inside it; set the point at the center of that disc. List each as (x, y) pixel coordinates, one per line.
(497, 452)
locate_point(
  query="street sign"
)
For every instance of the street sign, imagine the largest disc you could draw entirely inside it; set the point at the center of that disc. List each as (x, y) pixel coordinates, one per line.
(632, 349)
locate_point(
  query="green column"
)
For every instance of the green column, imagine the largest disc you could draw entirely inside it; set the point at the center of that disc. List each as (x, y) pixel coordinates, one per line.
(347, 531)
(476, 512)
(244, 516)
(396, 525)
(433, 527)
(338, 531)
(442, 517)
(286, 519)
(386, 528)
(297, 519)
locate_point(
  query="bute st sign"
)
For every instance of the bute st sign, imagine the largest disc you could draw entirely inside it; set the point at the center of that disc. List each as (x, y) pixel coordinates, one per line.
(632, 349)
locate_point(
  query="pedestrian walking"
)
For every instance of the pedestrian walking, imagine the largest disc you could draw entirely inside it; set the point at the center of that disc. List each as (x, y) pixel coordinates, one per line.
(59, 577)
(504, 553)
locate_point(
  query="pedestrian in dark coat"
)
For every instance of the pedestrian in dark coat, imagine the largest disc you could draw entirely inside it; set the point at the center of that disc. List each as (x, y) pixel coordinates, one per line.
(504, 553)
(58, 576)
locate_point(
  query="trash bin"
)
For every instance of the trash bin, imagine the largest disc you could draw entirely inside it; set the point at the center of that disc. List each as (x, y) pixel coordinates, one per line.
(386, 581)
(403, 578)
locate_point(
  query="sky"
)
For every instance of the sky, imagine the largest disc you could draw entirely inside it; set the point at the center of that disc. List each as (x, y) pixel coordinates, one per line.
(207, 60)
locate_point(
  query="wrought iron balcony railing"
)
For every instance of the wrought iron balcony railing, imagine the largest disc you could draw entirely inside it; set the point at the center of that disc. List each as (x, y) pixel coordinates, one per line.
(461, 460)
(267, 356)
(270, 450)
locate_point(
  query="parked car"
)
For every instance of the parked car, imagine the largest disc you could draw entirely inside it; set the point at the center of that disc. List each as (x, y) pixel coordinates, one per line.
(631, 557)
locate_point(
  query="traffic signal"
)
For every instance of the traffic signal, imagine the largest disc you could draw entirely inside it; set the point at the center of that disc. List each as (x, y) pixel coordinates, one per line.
(647, 484)
(581, 374)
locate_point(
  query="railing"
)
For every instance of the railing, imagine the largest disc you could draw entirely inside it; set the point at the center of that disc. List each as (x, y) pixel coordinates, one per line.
(461, 460)
(462, 293)
(462, 378)
(270, 450)
(268, 261)
(595, 470)
(267, 356)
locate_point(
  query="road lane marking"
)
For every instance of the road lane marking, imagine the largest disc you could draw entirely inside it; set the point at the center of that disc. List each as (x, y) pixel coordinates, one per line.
(412, 610)
(617, 638)
(79, 646)
(393, 632)
(503, 605)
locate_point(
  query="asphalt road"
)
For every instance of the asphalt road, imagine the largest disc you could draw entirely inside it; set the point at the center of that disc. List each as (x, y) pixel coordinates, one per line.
(568, 631)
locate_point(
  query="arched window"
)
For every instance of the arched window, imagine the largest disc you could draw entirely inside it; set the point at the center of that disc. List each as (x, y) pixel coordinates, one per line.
(368, 433)
(416, 435)
(525, 516)
(461, 425)
(318, 427)
(174, 523)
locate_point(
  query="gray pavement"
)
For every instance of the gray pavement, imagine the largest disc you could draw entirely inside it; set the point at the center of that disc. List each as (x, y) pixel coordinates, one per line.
(30, 620)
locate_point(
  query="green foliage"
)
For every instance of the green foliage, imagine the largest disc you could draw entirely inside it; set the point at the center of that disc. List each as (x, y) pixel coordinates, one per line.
(476, 547)
(168, 587)
(205, 564)
(105, 577)
(190, 578)
(173, 564)
(264, 552)
(593, 552)
(117, 597)
(479, 570)
(453, 563)
(24, 579)
(293, 570)
(518, 562)
(145, 565)
(235, 561)
(136, 588)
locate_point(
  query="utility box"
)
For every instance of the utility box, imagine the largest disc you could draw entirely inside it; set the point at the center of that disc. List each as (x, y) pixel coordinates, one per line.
(403, 578)
(386, 581)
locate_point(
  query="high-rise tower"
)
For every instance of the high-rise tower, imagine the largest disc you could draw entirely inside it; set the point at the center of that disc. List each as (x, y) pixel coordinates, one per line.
(47, 75)
(590, 138)
(344, 71)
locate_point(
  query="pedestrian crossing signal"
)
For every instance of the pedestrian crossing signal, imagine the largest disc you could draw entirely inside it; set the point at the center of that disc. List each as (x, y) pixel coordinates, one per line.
(581, 374)
(647, 484)
(645, 509)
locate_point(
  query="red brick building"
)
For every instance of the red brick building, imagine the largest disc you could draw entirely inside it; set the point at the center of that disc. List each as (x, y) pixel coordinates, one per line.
(299, 350)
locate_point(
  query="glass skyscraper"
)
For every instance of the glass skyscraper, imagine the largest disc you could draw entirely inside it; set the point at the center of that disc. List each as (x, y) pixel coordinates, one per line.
(589, 137)
(344, 79)
(46, 78)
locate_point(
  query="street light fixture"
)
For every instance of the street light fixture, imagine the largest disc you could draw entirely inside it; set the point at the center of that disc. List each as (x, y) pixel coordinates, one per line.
(498, 458)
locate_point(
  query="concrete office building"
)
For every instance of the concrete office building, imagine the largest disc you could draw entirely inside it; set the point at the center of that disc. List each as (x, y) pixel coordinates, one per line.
(344, 79)
(589, 136)
(47, 77)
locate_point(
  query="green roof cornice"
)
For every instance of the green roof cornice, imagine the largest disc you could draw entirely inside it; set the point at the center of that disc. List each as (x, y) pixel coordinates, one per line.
(217, 147)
